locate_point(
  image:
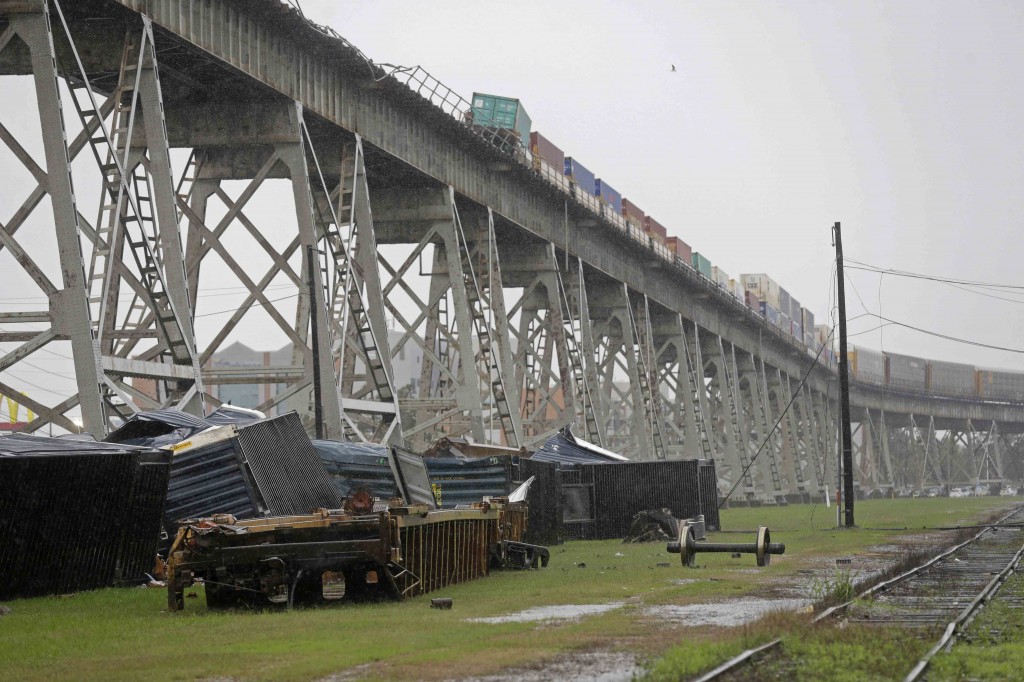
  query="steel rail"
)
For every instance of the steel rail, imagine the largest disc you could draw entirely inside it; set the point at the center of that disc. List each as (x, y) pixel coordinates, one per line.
(748, 655)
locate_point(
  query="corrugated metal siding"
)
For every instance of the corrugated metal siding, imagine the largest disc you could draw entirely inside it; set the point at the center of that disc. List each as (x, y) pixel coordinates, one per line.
(951, 378)
(354, 465)
(707, 478)
(544, 522)
(285, 468)
(906, 372)
(80, 521)
(209, 480)
(562, 450)
(623, 490)
(455, 481)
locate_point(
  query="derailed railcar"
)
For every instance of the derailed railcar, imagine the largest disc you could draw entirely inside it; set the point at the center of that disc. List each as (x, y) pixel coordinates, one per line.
(359, 552)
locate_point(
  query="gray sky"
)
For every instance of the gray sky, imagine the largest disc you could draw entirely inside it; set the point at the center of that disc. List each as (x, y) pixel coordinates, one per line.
(899, 119)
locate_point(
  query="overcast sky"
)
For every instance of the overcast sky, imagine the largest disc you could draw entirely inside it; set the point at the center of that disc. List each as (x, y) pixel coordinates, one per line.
(899, 119)
(902, 120)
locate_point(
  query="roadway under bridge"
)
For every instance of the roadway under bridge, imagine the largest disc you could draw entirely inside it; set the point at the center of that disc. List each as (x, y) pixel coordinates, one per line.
(531, 310)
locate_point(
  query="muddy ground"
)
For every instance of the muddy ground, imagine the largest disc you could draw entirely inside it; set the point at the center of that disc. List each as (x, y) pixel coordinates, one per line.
(785, 593)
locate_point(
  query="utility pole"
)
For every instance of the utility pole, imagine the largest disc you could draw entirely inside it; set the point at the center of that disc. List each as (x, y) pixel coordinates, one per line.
(844, 384)
(318, 408)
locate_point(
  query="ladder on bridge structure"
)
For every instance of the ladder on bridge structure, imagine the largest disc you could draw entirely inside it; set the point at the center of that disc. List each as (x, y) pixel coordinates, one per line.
(642, 342)
(697, 383)
(760, 393)
(573, 329)
(509, 424)
(342, 280)
(729, 394)
(127, 214)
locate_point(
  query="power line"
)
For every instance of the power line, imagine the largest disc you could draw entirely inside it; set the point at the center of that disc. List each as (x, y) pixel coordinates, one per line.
(793, 398)
(933, 278)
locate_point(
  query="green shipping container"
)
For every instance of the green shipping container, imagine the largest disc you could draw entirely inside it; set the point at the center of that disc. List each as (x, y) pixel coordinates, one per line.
(502, 112)
(701, 264)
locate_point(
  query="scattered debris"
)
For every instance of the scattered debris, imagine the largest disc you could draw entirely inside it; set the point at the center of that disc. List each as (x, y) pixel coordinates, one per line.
(400, 551)
(691, 534)
(4, 610)
(653, 525)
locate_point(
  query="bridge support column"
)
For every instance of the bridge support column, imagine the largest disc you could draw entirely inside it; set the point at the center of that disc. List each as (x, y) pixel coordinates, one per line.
(591, 405)
(543, 378)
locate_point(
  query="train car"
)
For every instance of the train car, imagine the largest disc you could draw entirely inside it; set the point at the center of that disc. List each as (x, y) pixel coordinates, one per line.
(950, 378)
(766, 288)
(867, 366)
(1000, 384)
(632, 213)
(769, 313)
(608, 194)
(701, 264)
(682, 250)
(905, 372)
(545, 150)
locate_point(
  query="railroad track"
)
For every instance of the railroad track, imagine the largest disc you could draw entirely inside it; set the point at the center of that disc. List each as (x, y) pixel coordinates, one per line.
(949, 590)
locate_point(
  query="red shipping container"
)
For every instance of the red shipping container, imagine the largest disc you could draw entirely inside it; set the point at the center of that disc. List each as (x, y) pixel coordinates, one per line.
(633, 214)
(545, 149)
(752, 300)
(680, 249)
(653, 227)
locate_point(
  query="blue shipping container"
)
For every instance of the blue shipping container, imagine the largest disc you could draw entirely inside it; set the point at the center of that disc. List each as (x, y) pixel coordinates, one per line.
(578, 173)
(605, 191)
(769, 313)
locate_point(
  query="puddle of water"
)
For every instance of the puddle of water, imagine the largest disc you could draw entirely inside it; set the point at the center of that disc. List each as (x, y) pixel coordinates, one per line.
(559, 612)
(596, 666)
(724, 614)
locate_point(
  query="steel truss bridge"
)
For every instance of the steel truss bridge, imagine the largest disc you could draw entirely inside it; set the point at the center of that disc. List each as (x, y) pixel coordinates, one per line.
(530, 310)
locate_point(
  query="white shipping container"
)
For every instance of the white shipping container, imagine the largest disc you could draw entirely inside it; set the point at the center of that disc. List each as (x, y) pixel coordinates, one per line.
(764, 286)
(720, 277)
(736, 289)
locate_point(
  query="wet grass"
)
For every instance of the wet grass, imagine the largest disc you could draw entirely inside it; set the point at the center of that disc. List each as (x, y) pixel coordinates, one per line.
(125, 634)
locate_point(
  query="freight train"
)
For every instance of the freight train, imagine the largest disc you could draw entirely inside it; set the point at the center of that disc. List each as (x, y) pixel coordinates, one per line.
(758, 293)
(935, 377)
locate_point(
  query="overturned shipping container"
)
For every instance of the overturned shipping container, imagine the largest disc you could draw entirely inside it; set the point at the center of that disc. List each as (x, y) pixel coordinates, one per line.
(77, 515)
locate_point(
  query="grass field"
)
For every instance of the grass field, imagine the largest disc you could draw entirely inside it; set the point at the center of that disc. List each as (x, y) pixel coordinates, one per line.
(126, 634)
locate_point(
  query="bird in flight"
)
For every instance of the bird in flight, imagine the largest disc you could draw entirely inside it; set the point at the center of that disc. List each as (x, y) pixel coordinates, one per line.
(673, 67)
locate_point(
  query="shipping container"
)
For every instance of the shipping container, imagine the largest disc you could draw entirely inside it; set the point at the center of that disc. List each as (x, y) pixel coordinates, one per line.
(701, 264)
(998, 383)
(544, 150)
(720, 276)
(784, 302)
(797, 331)
(765, 287)
(752, 300)
(905, 372)
(608, 194)
(796, 311)
(579, 174)
(809, 340)
(501, 112)
(652, 226)
(867, 366)
(950, 378)
(807, 321)
(785, 323)
(769, 313)
(681, 249)
(633, 214)
(736, 288)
